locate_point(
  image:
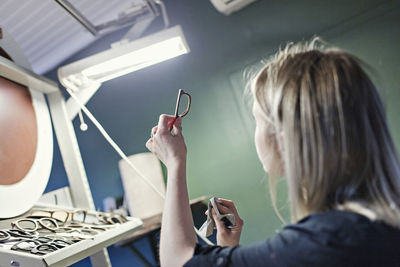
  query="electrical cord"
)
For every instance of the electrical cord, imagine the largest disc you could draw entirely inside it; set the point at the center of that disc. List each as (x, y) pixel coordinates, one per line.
(122, 154)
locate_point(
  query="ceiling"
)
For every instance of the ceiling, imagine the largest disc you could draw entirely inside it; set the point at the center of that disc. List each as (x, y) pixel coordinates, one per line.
(48, 34)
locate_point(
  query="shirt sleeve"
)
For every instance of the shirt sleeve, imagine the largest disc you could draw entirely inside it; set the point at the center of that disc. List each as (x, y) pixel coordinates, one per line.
(266, 253)
(287, 248)
(210, 256)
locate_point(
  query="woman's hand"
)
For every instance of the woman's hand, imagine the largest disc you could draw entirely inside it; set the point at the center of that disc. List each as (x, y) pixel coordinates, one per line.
(168, 146)
(227, 237)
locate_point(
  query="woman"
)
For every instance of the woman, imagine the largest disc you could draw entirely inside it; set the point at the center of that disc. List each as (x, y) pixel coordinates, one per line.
(320, 124)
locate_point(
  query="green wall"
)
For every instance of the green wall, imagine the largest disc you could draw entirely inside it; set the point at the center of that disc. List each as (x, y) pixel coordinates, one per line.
(218, 131)
(375, 38)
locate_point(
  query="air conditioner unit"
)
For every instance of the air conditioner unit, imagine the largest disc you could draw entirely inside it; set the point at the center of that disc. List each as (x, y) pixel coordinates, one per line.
(228, 7)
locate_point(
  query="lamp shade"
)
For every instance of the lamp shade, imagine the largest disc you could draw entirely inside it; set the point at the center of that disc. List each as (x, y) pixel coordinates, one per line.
(123, 59)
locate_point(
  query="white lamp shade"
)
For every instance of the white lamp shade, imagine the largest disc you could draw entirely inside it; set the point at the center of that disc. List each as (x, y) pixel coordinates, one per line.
(124, 59)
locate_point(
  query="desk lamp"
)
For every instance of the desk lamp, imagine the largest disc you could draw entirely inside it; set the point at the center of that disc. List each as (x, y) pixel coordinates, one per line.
(84, 77)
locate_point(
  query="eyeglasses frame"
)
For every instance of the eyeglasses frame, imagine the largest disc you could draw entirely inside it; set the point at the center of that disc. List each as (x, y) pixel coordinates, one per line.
(37, 223)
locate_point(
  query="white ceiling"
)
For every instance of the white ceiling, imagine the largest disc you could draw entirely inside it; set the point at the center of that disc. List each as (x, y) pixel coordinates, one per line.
(47, 33)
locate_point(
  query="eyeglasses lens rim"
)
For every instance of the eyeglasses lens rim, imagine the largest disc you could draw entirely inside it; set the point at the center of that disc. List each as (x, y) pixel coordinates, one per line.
(52, 221)
(26, 230)
(186, 111)
(42, 213)
(4, 235)
(65, 217)
(20, 233)
(84, 212)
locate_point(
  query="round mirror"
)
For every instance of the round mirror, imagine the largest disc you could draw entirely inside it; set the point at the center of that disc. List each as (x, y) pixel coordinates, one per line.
(26, 140)
(18, 132)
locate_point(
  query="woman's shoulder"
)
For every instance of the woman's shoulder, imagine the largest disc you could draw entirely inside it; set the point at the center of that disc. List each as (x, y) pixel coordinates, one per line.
(334, 220)
(335, 238)
(343, 221)
(342, 236)
(342, 227)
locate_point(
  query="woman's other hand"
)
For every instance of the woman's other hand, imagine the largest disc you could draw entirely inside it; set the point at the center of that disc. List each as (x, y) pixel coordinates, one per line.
(227, 237)
(168, 145)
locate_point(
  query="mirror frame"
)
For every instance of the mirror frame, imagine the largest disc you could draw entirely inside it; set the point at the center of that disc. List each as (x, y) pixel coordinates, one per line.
(18, 198)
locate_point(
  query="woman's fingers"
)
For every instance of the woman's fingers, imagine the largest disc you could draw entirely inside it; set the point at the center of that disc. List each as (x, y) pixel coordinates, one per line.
(223, 209)
(154, 131)
(175, 123)
(163, 122)
(229, 204)
(226, 204)
(220, 224)
(178, 123)
(176, 130)
(149, 144)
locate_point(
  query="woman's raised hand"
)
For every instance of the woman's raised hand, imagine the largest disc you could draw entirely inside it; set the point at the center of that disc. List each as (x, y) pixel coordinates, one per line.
(166, 143)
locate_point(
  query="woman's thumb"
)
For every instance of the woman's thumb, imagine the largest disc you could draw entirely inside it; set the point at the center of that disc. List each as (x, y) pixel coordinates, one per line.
(220, 225)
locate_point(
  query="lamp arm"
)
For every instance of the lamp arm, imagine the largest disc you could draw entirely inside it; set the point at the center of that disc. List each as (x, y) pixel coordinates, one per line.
(84, 96)
(83, 91)
(163, 12)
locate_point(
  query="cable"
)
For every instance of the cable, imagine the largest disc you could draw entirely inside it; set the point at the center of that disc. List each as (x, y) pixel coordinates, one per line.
(112, 143)
(122, 154)
(83, 125)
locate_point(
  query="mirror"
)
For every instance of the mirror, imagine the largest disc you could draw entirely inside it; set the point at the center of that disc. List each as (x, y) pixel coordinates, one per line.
(26, 135)
(18, 132)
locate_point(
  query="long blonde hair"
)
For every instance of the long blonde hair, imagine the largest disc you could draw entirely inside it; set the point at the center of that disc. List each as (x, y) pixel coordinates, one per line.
(330, 127)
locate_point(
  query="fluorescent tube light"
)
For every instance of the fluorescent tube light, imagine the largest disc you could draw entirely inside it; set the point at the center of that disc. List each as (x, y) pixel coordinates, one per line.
(123, 59)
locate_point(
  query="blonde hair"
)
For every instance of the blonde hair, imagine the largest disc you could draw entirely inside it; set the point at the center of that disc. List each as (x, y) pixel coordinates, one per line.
(328, 122)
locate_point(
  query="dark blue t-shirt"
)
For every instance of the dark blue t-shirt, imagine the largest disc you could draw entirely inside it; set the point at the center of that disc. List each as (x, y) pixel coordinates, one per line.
(334, 238)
